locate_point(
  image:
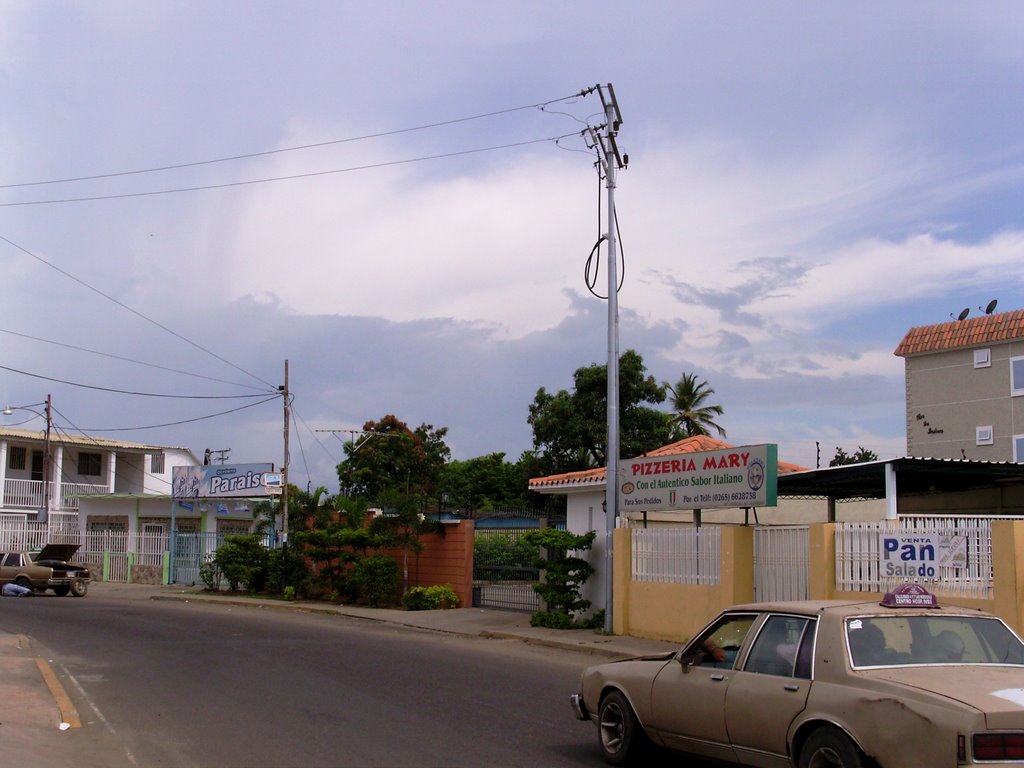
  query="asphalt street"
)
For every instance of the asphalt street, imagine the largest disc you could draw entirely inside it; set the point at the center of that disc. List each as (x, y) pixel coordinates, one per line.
(198, 680)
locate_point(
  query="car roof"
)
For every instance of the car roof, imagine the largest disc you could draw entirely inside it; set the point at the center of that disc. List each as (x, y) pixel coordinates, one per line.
(843, 608)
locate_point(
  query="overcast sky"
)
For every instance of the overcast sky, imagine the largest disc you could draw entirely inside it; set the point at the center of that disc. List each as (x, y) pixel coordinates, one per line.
(806, 182)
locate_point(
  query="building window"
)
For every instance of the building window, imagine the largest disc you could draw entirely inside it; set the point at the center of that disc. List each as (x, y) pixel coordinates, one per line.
(1018, 448)
(156, 463)
(16, 457)
(90, 464)
(983, 435)
(983, 358)
(1017, 375)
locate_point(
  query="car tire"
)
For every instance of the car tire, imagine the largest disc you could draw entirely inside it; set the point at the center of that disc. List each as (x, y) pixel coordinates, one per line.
(622, 737)
(79, 588)
(62, 590)
(21, 581)
(830, 748)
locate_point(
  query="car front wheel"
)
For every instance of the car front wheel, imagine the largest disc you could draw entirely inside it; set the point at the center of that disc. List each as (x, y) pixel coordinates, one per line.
(622, 737)
(79, 588)
(830, 748)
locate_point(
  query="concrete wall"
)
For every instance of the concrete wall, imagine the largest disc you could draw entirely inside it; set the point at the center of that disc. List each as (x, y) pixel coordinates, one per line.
(947, 398)
(676, 612)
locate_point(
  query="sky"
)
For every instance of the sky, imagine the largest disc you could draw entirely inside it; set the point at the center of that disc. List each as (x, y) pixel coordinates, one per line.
(399, 200)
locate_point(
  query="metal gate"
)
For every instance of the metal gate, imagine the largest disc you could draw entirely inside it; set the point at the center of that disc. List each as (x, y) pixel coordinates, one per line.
(780, 562)
(504, 571)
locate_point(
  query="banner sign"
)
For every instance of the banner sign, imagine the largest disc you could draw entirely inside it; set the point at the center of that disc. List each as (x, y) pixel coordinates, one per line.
(219, 481)
(920, 555)
(746, 476)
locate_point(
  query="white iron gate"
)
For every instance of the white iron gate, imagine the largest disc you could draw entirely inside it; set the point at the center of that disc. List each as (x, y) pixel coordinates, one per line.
(780, 562)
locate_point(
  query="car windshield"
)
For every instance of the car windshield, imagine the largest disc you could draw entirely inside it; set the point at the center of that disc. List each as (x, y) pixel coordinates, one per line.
(901, 640)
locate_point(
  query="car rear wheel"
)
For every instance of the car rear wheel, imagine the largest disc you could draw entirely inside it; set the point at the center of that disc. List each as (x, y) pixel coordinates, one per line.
(79, 588)
(622, 737)
(830, 748)
(21, 581)
(62, 590)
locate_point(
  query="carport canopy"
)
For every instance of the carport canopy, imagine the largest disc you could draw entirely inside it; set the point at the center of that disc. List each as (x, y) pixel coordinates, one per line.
(907, 476)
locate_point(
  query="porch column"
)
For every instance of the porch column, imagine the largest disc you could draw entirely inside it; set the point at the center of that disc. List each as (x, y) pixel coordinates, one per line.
(56, 473)
(3, 471)
(111, 470)
(890, 492)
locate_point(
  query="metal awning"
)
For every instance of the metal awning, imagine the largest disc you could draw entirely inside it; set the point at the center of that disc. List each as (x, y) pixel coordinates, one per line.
(914, 476)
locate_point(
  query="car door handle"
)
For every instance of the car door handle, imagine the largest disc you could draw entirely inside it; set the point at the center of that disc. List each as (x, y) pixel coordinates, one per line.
(791, 687)
(718, 677)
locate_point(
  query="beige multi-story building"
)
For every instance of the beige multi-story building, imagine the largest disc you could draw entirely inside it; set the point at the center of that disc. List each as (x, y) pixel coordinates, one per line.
(965, 388)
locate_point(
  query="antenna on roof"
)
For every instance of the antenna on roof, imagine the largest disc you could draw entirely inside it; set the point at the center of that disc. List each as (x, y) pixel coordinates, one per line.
(963, 314)
(990, 307)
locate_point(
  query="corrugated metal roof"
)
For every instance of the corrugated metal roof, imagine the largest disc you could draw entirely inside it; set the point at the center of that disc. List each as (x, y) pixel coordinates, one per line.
(35, 435)
(960, 334)
(596, 477)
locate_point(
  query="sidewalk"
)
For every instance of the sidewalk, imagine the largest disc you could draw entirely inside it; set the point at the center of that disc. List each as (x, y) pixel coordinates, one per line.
(476, 622)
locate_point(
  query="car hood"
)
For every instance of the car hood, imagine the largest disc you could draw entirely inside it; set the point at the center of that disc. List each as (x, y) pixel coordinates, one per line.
(57, 552)
(997, 691)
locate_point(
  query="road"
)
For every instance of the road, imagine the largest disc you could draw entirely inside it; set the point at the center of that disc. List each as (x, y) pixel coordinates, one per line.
(185, 685)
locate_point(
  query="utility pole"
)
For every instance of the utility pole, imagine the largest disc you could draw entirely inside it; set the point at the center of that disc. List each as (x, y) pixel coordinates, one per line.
(47, 464)
(610, 162)
(287, 457)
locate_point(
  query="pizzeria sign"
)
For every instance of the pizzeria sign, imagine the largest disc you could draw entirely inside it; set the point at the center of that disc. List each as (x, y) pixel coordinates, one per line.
(745, 476)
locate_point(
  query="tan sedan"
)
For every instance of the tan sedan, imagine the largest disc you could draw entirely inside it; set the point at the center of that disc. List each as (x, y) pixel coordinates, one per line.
(897, 684)
(47, 569)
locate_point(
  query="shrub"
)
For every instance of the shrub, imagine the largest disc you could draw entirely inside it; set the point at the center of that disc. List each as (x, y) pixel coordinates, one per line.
(502, 556)
(209, 573)
(243, 562)
(430, 598)
(376, 578)
(551, 620)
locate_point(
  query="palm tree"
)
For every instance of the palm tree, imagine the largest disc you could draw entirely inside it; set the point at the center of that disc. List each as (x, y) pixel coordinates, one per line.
(690, 415)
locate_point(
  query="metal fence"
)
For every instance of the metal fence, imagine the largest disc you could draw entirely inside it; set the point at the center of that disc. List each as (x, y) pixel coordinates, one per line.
(859, 559)
(504, 569)
(677, 555)
(781, 562)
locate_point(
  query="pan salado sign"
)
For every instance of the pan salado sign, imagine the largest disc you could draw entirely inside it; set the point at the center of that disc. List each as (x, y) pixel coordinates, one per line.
(745, 476)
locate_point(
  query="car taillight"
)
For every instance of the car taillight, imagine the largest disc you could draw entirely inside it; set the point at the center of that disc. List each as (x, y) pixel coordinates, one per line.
(998, 746)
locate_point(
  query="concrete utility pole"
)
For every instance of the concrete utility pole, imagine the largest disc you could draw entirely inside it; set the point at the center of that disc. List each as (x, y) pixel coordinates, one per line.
(610, 162)
(287, 457)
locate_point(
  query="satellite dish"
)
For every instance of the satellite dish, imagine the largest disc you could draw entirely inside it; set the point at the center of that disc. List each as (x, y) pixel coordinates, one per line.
(963, 315)
(990, 307)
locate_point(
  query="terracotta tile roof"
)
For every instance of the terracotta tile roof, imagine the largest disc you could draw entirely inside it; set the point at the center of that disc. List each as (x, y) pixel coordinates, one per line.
(958, 334)
(596, 477)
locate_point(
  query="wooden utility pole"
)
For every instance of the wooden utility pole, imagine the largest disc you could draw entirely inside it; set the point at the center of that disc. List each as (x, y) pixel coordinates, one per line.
(284, 469)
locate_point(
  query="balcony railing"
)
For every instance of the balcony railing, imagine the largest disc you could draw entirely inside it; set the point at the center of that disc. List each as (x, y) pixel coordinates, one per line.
(28, 494)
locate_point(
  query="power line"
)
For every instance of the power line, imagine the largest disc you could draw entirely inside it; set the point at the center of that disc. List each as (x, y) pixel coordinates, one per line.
(184, 421)
(317, 145)
(311, 174)
(124, 359)
(135, 312)
(127, 391)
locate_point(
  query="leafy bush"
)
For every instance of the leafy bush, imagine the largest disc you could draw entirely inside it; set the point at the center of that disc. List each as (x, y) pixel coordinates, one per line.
(376, 578)
(551, 620)
(243, 562)
(209, 573)
(430, 598)
(564, 573)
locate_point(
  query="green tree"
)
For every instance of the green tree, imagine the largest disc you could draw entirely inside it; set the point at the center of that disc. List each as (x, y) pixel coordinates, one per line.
(862, 454)
(401, 524)
(572, 428)
(691, 413)
(391, 457)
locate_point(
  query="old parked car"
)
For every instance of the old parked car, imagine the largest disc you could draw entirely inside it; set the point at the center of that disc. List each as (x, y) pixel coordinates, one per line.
(47, 569)
(896, 684)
